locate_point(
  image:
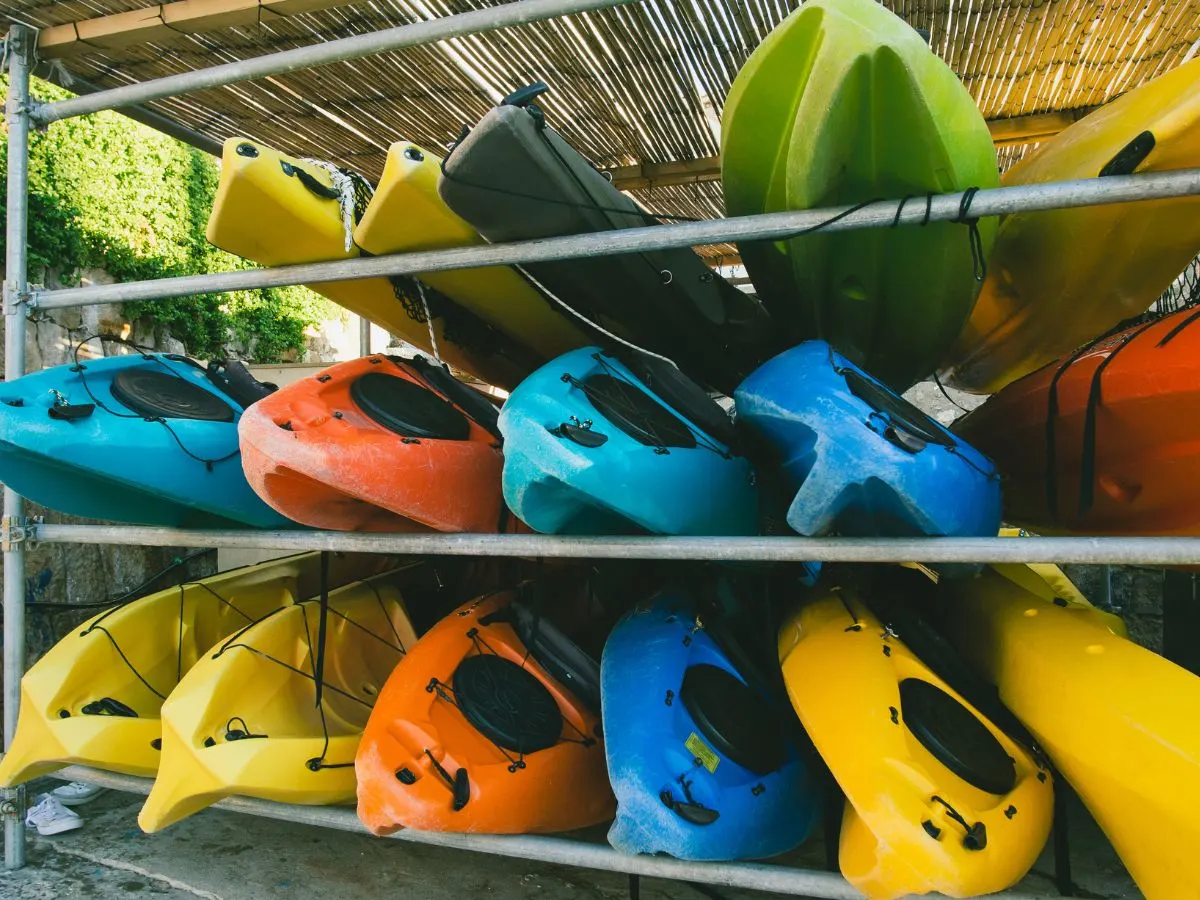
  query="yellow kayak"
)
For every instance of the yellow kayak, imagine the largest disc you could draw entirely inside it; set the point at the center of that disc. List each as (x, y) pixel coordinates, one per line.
(1050, 583)
(1058, 278)
(1116, 719)
(244, 721)
(94, 698)
(406, 214)
(937, 797)
(276, 210)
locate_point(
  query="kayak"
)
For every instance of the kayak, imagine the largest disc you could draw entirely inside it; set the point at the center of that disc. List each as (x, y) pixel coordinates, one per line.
(95, 698)
(844, 103)
(1113, 716)
(1059, 277)
(381, 443)
(244, 719)
(406, 214)
(859, 459)
(699, 757)
(275, 210)
(938, 797)
(514, 178)
(596, 443)
(145, 438)
(1102, 441)
(474, 733)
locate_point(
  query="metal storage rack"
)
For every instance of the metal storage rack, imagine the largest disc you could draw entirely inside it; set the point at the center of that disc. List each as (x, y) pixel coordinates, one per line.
(17, 531)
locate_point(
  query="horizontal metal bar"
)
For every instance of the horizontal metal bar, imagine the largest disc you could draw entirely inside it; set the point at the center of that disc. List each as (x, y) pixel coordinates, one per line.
(776, 879)
(1156, 551)
(770, 226)
(488, 19)
(74, 83)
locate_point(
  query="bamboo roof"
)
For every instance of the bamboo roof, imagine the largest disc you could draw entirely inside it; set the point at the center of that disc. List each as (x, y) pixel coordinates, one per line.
(637, 89)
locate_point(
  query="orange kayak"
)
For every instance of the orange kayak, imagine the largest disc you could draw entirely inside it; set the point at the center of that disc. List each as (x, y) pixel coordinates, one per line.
(1103, 441)
(378, 444)
(472, 734)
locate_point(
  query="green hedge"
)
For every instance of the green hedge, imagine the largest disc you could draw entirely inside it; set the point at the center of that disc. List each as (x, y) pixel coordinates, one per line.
(106, 192)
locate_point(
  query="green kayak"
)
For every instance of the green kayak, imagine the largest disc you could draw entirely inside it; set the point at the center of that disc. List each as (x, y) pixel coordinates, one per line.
(844, 103)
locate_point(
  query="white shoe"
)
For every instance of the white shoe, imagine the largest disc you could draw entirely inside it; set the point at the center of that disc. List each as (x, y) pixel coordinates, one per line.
(51, 817)
(76, 793)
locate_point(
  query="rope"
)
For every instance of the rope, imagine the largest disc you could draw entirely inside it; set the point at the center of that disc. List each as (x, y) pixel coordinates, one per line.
(596, 326)
(429, 321)
(79, 369)
(98, 626)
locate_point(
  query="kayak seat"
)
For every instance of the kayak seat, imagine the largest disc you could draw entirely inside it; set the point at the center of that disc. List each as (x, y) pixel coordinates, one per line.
(684, 395)
(738, 722)
(908, 428)
(956, 738)
(636, 413)
(408, 409)
(507, 704)
(162, 395)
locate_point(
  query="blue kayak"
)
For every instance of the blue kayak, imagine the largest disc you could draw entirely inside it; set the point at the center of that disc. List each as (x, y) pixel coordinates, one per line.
(703, 764)
(860, 459)
(149, 439)
(596, 444)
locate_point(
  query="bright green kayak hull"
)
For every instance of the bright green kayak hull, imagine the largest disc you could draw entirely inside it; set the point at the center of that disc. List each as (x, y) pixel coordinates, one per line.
(841, 104)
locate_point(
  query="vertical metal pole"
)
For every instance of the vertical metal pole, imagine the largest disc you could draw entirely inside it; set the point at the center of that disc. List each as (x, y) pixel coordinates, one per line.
(16, 287)
(364, 336)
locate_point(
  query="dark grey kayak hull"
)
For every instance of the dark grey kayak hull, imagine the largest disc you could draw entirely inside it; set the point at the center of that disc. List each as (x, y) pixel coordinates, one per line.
(513, 178)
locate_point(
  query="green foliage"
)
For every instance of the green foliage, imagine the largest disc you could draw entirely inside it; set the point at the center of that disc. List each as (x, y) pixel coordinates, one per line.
(108, 193)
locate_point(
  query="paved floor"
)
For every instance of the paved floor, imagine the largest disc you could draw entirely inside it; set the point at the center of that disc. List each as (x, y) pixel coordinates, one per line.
(220, 855)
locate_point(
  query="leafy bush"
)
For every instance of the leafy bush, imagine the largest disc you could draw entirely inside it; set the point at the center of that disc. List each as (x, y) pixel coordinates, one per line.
(106, 192)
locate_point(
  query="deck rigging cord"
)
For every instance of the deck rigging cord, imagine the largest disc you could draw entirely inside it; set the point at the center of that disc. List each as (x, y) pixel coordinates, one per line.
(317, 658)
(80, 369)
(618, 399)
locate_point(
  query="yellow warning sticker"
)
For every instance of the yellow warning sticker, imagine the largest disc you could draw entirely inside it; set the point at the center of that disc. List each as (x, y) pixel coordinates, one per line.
(703, 753)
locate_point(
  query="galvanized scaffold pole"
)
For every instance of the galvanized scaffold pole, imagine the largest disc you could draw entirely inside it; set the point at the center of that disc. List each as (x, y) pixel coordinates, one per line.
(19, 51)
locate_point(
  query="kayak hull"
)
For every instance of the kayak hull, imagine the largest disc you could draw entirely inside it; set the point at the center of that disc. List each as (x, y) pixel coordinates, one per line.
(116, 463)
(514, 178)
(423, 764)
(1135, 469)
(557, 485)
(859, 459)
(1106, 711)
(1059, 277)
(841, 104)
(83, 702)
(896, 838)
(406, 214)
(653, 742)
(241, 723)
(316, 455)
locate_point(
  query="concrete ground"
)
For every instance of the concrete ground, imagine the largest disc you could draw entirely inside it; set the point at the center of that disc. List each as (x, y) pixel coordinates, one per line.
(219, 855)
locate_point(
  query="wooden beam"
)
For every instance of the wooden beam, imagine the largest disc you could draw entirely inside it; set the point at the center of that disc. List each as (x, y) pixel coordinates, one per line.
(1005, 132)
(1035, 127)
(648, 175)
(165, 22)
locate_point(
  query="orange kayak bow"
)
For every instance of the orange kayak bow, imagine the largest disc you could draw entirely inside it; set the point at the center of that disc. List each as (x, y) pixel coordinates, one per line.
(472, 733)
(378, 444)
